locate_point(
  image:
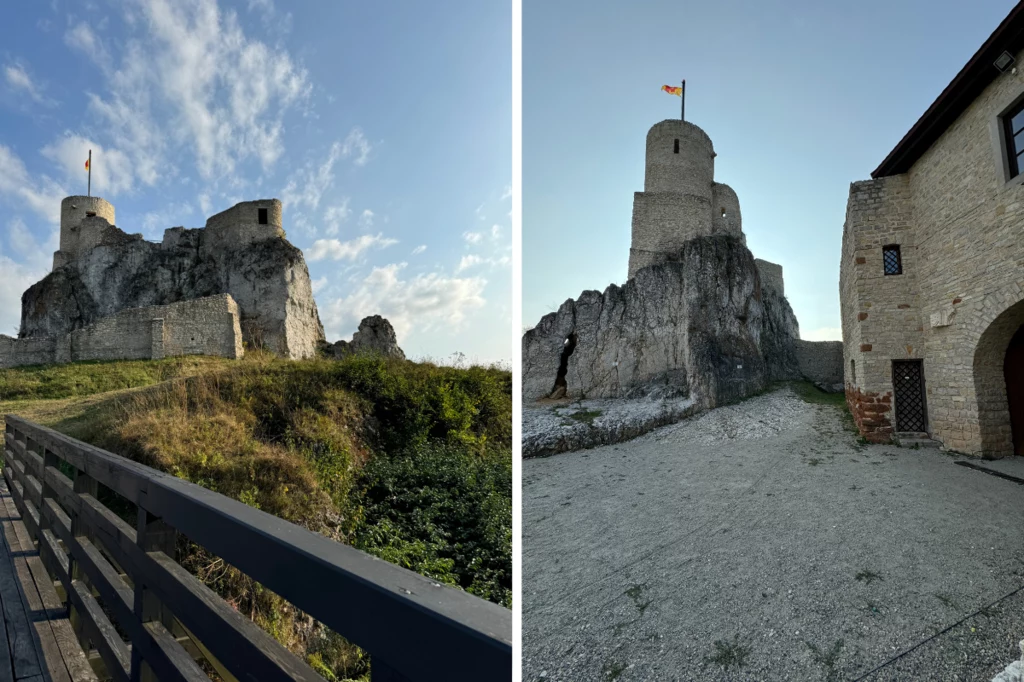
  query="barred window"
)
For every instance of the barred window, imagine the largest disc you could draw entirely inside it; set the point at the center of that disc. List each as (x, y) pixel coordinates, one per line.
(891, 259)
(1014, 124)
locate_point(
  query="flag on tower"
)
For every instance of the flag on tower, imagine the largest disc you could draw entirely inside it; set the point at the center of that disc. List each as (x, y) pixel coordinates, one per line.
(87, 164)
(678, 92)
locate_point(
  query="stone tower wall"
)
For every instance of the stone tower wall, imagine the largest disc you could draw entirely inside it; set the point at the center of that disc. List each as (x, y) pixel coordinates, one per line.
(771, 275)
(79, 230)
(240, 224)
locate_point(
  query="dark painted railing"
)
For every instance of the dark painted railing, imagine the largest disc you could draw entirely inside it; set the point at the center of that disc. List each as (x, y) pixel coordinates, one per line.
(413, 628)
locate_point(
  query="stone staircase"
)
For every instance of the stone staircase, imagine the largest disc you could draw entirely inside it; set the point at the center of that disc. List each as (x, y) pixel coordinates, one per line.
(910, 439)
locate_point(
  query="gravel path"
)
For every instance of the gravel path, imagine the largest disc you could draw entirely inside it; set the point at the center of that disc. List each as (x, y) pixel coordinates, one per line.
(761, 541)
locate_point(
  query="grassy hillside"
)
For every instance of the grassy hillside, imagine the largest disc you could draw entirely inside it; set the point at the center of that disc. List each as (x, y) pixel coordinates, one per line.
(408, 461)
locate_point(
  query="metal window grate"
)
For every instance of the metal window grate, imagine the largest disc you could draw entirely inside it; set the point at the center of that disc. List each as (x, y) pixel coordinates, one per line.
(908, 392)
(891, 260)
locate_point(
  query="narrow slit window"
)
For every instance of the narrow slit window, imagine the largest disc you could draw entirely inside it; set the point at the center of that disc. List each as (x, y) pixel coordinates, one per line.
(263, 216)
(90, 214)
(891, 260)
(1013, 123)
(675, 148)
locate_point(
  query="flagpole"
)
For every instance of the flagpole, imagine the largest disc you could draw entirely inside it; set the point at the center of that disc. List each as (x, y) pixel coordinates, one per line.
(90, 173)
(682, 105)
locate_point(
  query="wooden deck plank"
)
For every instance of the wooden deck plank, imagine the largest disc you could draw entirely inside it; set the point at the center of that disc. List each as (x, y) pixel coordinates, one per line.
(24, 650)
(61, 652)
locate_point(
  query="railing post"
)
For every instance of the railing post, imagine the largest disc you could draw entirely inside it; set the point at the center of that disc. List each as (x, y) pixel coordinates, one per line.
(152, 534)
(83, 484)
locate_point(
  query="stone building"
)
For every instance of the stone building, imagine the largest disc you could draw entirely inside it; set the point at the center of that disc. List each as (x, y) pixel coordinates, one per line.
(698, 317)
(931, 286)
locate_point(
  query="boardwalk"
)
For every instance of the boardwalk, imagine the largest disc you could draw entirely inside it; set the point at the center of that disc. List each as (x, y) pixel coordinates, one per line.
(39, 642)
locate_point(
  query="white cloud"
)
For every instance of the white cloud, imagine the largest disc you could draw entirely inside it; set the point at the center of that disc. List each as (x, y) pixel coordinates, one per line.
(17, 276)
(82, 37)
(319, 284)
(308, 184)
(473, 237)
(468, 262)
(111, 168)
(205, 205)
(332, 249)
(366, 219)
(425, 301)
(21, 240)
(507, 194)
(356, 143)
(419, 249)
(17, 78)
(41, 194)
(495, 231)
(823, 334)
(334, 216)
(155, 222)
(480, 212)
(189, 68)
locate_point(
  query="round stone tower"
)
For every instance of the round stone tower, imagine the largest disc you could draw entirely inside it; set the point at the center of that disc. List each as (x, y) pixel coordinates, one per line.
(77, 233)
(681, 199)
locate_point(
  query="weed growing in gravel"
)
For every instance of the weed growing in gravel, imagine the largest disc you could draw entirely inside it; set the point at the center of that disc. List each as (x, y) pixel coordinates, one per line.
(585, 416)
(828, 659)
(634, 594)
(728, 654)
(867, 576)
(947, 600)
(612, 670)
(814, 462)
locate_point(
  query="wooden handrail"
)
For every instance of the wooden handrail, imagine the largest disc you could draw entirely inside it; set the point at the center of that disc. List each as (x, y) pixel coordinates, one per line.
(413, 627)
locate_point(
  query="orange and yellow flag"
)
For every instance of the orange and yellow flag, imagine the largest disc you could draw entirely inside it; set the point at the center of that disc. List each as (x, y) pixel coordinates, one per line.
(87, 164)
(678, 92)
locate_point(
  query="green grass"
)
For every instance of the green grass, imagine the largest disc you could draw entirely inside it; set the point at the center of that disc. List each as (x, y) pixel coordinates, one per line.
(867, 576)
(729, 654)
(585, 416)
(49, 382)
(408, 461)
(810, 393)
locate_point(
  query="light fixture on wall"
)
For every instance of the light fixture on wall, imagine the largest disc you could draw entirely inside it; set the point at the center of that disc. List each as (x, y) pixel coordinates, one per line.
(1004, 61)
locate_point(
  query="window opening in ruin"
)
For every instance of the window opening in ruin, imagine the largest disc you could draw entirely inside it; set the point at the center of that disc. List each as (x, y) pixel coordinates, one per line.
(723, 211)
(853, 370)
(1013, 123)
(561, 385)
(90, 214)
(263, 216)
(676, 149)
(891, 261)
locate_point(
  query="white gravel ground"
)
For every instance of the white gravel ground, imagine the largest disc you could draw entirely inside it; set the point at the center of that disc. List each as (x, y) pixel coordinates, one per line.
(761, 541)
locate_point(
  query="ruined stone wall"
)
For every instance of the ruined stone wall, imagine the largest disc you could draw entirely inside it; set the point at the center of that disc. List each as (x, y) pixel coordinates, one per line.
(881, 313)
(771, 275)
(265, 275)
(18, 352)
(820, 361)
(82, 222)
(206, 326)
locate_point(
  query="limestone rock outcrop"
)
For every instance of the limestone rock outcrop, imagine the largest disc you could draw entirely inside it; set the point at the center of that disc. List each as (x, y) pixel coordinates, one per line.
(236, 254)
(701, 324)
(375, 335)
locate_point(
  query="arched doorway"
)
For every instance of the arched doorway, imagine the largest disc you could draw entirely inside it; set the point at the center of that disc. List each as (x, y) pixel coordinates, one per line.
(1013, 372)
(998, 374)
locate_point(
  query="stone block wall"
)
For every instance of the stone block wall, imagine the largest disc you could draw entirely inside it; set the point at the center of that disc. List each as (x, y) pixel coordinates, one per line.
(17, 352)
(204, 326)
(959, 218)
(240, 224)
(771, 275)
(881, 313)
(820, 361)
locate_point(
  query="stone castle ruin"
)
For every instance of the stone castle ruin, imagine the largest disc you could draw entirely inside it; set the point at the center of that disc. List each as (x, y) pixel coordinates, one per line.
(699, 316)
(207, 291)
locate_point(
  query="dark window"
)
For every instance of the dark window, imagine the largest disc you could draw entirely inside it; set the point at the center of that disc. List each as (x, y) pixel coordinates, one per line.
(90, 214)
(675, 150)
(263, 216)
(891, 259)
(853, 371)
(1014, 122)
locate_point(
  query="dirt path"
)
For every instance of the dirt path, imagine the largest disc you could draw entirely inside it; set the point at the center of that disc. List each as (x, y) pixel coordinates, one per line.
(761, 541)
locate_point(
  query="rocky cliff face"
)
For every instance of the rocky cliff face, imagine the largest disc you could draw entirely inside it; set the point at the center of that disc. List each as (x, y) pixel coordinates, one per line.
(701, 325)
(375, 335)
(268, 279)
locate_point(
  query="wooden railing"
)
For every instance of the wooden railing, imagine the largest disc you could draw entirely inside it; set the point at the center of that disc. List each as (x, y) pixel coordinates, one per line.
(166, 619)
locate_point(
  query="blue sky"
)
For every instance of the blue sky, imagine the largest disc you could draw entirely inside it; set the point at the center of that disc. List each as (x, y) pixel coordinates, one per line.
(385, 128)
(800, 98)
